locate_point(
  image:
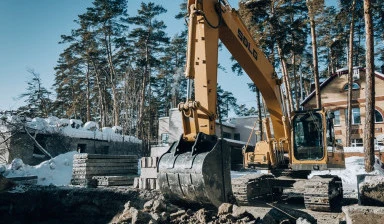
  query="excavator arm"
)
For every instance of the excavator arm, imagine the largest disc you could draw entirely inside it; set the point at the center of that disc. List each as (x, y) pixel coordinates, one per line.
(196, 168)
(209, 21)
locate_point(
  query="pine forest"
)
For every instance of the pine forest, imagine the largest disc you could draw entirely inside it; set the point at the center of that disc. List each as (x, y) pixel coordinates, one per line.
(125, 70)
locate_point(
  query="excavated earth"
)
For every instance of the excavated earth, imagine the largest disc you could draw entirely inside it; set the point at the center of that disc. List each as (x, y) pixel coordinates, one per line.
(50, 204)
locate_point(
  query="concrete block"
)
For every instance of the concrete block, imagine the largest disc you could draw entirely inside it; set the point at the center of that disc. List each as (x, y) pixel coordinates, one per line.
(146, 183)
(148, 173)
(158, 151)
(136, 182)
(148, 162)
(152, 184)
(357, 214)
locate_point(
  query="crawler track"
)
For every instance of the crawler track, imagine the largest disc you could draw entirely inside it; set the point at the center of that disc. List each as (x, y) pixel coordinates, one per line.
(249, 188)
(323, 193)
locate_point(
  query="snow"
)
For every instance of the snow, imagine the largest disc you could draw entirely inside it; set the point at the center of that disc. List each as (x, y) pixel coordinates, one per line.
(72, 128)
(56, 171)
(353, 166)
(354, 149)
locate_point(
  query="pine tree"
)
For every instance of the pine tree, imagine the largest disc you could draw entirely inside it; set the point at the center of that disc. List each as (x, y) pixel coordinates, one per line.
(36, 97)
(313, 8)
(225, 101)
(150, 39)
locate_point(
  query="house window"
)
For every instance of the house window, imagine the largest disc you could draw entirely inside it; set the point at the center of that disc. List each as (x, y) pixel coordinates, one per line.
(355, 115)
(378, 117)
(355, 86)
(337, 117)
(236, 136)
(358, 142)
(226, 135)
(164, 137)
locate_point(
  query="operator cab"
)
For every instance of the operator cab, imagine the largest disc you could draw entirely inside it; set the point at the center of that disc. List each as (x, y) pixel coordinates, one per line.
(308, 141)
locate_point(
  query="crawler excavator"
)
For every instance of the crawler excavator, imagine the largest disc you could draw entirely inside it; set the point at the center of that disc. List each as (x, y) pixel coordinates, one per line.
(196, 168)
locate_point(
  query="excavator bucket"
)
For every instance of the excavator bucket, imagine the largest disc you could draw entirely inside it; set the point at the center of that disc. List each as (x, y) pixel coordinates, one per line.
(196, 172)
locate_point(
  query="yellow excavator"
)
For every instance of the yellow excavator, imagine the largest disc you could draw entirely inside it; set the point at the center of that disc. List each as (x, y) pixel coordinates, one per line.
(196, 168)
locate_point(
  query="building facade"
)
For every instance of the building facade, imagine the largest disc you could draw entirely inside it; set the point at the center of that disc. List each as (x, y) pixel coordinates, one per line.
(236, 129)
(334, 93)
(236, 132)
(25, 143)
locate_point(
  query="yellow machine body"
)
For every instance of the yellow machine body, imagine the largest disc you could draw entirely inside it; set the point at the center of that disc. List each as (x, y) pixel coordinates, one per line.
(197, 167)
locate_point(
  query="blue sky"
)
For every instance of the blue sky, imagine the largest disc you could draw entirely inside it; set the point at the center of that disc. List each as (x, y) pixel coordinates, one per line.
(31, 31)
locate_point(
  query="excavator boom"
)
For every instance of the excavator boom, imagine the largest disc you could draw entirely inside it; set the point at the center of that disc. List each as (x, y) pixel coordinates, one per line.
(196, 168)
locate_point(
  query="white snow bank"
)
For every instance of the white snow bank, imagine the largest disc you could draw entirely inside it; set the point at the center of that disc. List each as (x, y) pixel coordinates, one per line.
(353, 166)
(71, 128)
(56, 171)
(354, 149)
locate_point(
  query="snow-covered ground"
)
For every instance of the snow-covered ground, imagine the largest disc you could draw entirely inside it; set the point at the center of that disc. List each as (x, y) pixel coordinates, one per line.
(353, 167)
(56, 171)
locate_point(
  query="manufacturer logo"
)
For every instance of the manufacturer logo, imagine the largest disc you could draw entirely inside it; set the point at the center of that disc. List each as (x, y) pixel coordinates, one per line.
(247, 44)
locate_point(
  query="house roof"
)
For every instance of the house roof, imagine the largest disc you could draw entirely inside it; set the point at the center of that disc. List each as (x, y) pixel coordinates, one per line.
(339, 72)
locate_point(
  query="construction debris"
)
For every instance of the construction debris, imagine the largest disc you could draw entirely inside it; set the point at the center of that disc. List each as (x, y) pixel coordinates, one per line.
(356, 214)
(148, 176)
(370, 190)
(104, 170)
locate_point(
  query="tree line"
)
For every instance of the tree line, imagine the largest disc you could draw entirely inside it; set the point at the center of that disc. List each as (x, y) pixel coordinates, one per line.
(125, 70)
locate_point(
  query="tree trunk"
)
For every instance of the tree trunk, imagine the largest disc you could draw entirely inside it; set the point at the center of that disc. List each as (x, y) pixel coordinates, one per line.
(259, 116)
(297, 103)
(88, 94)
(289, 107)
(314, 53)
(369, 90)
(116, 114)
(350, 81)
(102, 106)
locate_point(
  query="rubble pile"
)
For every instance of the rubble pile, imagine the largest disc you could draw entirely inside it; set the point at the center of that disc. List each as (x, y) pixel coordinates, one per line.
(104, 170)
(371, 191)
(158, 211)
(357, 214)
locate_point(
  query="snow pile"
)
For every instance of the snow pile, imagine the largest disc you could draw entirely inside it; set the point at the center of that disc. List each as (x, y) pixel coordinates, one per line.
(354, 149)
(353, 166)
(56, 171)
(71, 128)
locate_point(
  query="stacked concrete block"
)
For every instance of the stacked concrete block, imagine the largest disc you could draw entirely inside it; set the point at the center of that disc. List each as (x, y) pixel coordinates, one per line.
(114, 180)
(104, 170)
(148, 176)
